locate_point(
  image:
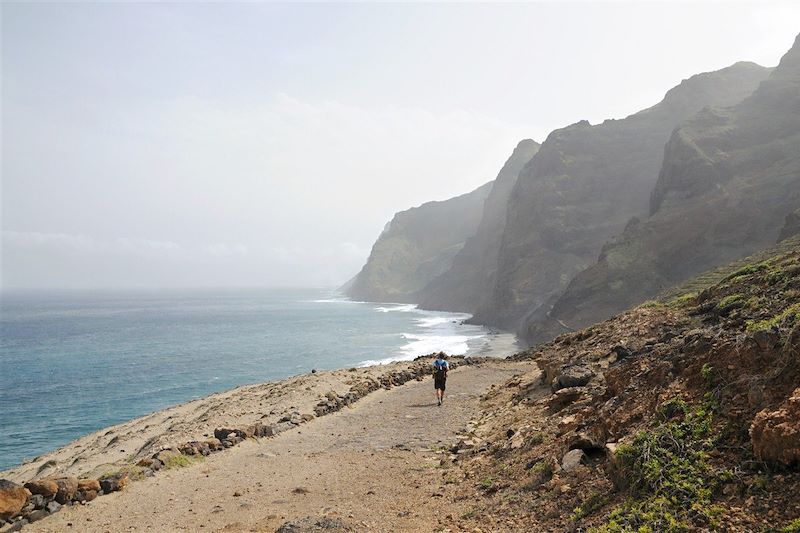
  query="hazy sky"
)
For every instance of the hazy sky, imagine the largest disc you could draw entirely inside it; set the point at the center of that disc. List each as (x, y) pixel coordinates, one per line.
(226, 144)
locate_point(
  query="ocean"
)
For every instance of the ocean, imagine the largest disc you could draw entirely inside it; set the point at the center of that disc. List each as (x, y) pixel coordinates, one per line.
(75, 362)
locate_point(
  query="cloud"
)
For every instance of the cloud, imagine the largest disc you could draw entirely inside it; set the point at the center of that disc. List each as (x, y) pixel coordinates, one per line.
(280, 192)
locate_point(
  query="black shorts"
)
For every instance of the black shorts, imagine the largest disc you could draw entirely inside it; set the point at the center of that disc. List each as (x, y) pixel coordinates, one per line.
(439, 382)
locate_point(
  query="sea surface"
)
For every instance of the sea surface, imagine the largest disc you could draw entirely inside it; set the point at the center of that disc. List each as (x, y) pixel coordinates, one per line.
(75, 362)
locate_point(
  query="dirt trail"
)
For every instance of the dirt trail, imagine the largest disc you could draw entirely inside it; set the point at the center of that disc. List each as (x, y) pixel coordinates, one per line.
(373, 465)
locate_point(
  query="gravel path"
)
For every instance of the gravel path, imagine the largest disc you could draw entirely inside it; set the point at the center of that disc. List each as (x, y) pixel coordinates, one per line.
(373, 466)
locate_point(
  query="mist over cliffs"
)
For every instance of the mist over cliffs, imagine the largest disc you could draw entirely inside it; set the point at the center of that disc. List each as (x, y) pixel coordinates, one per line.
(601, 217)
(472, 276)
(729, 186)
(417, 245)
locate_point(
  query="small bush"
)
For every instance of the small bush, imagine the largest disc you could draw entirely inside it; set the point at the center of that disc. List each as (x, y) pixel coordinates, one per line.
(734, 301)
(683, 300)
(792, 527)
(536, 438)
(746, 271)
(791, 313)
(181, 461)
(669, 478)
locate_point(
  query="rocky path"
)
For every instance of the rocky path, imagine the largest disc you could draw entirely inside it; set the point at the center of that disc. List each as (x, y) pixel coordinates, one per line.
(373, 466)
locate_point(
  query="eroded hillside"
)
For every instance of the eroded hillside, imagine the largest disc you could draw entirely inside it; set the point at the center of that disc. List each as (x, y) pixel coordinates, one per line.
(681, 414)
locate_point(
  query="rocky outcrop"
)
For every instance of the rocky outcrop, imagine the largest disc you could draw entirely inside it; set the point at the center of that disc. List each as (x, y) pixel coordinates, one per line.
(728, 181)
(472, 277)
(583, 186)
(776, 433)
(417, 245)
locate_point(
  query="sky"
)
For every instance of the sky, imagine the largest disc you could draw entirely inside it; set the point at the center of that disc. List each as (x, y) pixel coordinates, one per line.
(149, 145)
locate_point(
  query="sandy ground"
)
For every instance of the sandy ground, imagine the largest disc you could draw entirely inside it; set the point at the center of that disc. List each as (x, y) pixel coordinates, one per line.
(374, 465)
(123, 444)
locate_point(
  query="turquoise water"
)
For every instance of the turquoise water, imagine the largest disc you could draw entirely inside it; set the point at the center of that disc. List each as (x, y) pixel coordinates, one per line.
(72, 363)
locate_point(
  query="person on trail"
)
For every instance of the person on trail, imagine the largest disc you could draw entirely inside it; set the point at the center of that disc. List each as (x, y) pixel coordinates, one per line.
(440, 368)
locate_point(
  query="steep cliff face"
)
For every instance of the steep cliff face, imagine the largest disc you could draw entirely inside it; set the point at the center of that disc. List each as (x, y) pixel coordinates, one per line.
(472, 277)
(583, 186)
(418, 245)
(729, 179)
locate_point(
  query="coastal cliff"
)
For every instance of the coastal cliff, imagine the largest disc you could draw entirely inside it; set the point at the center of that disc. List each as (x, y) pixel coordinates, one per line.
(583, 186)
(472, 276)
(417, 245)
(730, 178)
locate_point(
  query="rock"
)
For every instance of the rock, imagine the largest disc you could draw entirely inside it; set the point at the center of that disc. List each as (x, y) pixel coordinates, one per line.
(280, 427)
(311, 524)
(564, 397)
(53, 507)
(89, 484)
(85, 495)
(67, 487)
(45, 487)
(766, 339)
(622, 351)
(151, 463)
(572, 459)
(114, 483)
(13, 498)
(37, 515)
(307, 417)
(776, 434)
(17, 526)
(214, 444)
(87, 490)
(572, 376)
(38, 501)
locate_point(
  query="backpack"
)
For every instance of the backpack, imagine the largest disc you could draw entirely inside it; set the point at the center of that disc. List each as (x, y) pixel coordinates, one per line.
(440, 367)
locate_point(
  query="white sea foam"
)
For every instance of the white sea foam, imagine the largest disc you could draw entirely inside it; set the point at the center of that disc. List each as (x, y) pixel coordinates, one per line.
(398, 308)
(437, 331)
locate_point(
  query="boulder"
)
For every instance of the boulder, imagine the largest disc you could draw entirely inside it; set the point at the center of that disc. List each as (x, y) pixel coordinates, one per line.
(46, 487)
(13, 498)
(67, 487)
(37, 515)
(775, 434)
(114, 483)
(53, 507)
(572, 376)
(572, 459)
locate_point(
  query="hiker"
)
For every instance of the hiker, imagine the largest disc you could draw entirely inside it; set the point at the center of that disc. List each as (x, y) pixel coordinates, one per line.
(440, 368)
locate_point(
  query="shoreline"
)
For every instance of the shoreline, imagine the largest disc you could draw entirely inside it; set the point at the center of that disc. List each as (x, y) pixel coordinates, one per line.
(111, 447)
